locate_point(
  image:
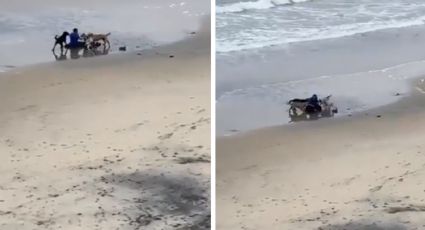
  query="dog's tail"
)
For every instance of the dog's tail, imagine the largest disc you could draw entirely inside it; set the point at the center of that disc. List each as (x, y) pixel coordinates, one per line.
(327, 97)
(56, 36)
(108, 34)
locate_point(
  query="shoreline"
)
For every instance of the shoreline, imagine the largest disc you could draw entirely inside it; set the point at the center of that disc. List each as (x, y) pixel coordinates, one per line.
(416, 86)
(4, 69)
(347, 115)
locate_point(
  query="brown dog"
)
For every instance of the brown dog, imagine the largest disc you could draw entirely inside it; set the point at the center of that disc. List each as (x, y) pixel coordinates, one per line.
(93, 38)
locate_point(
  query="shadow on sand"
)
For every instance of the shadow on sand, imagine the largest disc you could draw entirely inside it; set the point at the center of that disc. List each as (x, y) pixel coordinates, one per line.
(363, 226)
(157, 199)
(309, 117)
(76, 53)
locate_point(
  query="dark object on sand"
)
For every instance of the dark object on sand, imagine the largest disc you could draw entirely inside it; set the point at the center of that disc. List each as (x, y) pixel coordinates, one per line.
(409, 208)
(171, 56)
(122, 48)
(192, 32)
(191, 160)
(311, 108)
(60, 40)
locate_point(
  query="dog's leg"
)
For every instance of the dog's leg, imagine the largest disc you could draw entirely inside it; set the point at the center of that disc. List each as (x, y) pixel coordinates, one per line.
(292, 111)
(56, 56)
(106, 41)
(54, 46)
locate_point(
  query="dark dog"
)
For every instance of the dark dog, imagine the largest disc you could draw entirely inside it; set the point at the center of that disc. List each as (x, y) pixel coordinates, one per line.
(60, 40)
(305, 106)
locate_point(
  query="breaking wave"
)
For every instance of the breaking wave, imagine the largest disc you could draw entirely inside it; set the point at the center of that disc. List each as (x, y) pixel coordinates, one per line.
(254, 5)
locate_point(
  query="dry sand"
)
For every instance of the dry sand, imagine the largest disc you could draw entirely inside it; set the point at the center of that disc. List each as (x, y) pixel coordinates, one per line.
(115, 142)
(363, 172)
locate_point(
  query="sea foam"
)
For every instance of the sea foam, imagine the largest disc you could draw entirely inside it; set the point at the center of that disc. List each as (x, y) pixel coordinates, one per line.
(254, 5)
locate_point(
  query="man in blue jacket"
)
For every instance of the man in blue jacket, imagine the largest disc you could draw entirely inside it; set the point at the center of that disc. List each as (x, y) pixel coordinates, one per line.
(74, 38)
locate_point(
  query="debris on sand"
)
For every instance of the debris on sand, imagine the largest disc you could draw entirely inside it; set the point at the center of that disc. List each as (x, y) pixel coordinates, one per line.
(192, 160)
(410, 208)
(165, 136)
(122, 48)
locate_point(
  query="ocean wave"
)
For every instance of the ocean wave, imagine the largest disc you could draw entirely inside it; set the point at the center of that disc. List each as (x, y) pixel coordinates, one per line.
(254, 5)
(279, 38)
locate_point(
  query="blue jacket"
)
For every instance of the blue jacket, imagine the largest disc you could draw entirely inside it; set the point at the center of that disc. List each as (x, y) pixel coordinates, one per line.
(74, 39)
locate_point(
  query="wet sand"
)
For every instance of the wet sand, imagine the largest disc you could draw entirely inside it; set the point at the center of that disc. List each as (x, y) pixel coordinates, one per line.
(114, 142)
(360, 172)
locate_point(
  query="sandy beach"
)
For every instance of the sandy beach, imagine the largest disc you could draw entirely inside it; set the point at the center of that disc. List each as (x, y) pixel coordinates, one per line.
(360, 172)
(113, 142)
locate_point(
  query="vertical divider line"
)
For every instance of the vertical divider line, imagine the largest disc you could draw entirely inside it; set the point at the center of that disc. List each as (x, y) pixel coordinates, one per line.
(213, 116)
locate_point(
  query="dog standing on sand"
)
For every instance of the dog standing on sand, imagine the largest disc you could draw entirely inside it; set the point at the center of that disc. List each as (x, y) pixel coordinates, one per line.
(60, 40)
(94, 38)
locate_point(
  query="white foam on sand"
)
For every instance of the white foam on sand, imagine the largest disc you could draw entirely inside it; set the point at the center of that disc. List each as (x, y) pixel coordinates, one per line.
(266, 105)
